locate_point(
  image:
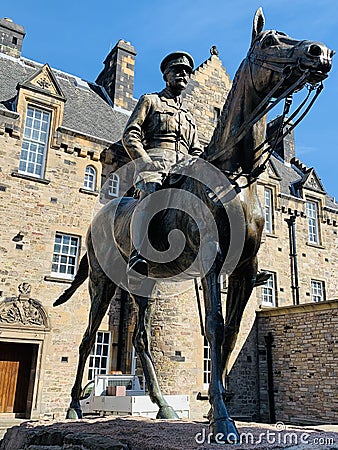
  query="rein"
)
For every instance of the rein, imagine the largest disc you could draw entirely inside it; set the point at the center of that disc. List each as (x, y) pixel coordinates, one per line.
(279, 135)
(261, 110)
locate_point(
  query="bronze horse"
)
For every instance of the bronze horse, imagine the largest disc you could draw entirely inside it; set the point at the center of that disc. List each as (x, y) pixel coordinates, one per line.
(275, 66)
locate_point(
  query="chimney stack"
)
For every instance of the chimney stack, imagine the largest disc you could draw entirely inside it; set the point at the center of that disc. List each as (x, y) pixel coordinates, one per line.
(11, 37)
(117, 77)
(286, 148)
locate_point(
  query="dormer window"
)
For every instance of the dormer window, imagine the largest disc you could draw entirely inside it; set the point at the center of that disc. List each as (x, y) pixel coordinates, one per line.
(35, 142)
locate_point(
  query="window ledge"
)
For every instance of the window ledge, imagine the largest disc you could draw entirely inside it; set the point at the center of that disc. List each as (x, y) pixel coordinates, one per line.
(312, 244)
(57, 279)
(25, 176)
(271, 235)
(88, 191)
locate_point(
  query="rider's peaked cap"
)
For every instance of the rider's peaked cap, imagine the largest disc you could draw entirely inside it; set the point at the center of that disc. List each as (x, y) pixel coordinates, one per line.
(177, 59)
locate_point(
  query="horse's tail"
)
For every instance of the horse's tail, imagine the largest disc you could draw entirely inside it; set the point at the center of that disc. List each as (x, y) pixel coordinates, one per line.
(80, 277)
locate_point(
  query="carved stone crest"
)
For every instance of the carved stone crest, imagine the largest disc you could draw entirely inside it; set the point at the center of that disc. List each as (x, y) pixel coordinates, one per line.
(44, 83)
(23, 310)
(24, 288)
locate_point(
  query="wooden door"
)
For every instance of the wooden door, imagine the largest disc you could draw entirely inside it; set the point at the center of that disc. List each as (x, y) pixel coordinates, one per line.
(8, 379)
(16, 377)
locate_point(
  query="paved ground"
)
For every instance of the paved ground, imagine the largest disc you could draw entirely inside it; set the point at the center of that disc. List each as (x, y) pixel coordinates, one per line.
(147, 434)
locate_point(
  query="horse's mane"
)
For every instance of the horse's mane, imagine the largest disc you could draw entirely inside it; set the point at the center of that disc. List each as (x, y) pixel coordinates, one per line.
(221, 132)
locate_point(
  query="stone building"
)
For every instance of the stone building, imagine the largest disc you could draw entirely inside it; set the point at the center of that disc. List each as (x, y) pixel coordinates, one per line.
(60, 149)
(55, 130)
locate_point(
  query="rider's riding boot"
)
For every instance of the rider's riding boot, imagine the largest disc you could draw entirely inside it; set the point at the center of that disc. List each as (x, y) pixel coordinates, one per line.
(137, 262)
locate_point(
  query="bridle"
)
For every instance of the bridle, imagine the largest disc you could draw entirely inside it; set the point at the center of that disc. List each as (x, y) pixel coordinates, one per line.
(264, 107)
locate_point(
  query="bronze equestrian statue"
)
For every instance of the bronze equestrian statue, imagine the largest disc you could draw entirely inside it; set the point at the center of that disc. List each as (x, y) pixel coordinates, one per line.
(276, 65)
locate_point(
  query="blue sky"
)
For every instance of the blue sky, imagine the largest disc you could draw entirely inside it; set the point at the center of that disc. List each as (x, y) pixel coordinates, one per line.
(76, 36)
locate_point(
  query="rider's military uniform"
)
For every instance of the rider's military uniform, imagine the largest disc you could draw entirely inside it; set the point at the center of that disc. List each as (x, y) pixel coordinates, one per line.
(161, 130)
(159, 134)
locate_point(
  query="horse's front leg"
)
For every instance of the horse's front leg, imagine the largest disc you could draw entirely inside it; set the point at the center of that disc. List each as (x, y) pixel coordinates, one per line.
(222, 427)
(240, 286)
(141, 341)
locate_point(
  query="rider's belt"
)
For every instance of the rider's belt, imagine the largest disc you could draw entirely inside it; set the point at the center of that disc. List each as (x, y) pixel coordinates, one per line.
(167, 148)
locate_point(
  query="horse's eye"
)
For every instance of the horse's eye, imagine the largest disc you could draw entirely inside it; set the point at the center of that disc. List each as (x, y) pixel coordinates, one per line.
(269, 41)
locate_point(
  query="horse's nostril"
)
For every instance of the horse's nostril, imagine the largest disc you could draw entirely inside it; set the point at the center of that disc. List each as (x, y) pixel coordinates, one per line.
(315, 50)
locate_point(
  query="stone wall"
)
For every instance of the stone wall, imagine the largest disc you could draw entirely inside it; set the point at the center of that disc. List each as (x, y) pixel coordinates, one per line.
(304, 366)
(206, 94)
(38, 210)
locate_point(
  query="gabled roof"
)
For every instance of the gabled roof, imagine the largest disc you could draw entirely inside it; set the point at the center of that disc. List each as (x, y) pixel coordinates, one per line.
(311, 181)
(293, 180)
(272, 170)
(44, 81)
(88, 109)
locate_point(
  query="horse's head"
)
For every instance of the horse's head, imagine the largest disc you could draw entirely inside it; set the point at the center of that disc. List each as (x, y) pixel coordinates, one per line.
(273, 55)
(276, 66)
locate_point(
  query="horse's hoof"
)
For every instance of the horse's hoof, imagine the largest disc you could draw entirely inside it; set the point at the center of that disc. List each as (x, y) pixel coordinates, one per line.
(166, 412)
(74, 413)
(224, 431)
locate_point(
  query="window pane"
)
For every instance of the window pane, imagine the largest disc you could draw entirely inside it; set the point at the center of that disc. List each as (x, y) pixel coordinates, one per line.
(32, 135)
(206, 362)
(65, 256)
(114, 183)
(269, 291)
(312, 218)
(100, 363)
(90, 178)
(268, 210)
(27, 133)
(317, 290)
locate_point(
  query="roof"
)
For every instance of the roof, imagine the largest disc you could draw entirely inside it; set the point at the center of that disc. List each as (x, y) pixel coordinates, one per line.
(290, 176)
(88, 108)
(89, 111)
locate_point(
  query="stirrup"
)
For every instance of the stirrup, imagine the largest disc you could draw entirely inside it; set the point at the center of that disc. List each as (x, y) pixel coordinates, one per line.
(137, 264)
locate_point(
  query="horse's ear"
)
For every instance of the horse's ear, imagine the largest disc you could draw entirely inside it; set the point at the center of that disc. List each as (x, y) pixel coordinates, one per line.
(258, 23)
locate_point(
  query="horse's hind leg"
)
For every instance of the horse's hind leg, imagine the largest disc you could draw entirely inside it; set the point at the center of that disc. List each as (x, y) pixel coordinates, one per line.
(101, 290)
(141, 341)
